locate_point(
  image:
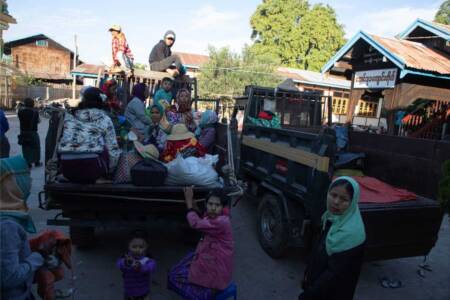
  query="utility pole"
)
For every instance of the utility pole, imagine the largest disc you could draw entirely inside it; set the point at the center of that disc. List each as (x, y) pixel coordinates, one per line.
(75, 59)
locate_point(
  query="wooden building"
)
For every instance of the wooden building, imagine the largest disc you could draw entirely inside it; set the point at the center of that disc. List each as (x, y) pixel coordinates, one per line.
(392, 74)
(42, 58)
(327, 85)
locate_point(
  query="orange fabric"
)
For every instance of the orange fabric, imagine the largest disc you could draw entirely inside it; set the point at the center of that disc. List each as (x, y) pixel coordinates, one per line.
(173, 147)
(46, 243)
(377, 191)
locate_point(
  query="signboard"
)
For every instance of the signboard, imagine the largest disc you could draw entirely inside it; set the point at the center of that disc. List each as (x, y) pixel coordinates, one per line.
(375, 79)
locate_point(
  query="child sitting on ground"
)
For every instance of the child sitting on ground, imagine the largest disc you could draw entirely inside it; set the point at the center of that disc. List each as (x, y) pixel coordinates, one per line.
(200, 275)
(163, 96)
(136, 269)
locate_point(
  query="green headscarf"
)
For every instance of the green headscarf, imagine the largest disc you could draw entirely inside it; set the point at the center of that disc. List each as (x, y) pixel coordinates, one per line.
(15, 186)
(347, 230)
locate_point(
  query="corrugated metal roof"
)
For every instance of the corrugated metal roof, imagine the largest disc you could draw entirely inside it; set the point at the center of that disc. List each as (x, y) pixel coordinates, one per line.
(32, 39)
(416, 55)
(88, 69)
(192, 60)
(310, 77)
(442, 26)
(435, 28)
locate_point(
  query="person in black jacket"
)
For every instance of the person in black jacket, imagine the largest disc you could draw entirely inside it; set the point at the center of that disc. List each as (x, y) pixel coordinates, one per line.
(161, 58)
(335, 263)
(29, 137)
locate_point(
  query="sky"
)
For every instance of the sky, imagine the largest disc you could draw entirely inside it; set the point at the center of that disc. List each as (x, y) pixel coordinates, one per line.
(197, 24)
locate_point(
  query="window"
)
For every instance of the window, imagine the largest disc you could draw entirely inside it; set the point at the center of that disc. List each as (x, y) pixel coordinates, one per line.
(367, 108)
(340, 103)
(42, 43)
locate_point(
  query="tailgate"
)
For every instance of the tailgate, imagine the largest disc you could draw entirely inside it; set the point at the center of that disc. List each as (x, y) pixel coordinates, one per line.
(401, 229)
(114, 200)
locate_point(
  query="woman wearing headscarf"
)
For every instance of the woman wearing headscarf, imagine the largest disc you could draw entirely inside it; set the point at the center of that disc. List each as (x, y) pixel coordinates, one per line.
(335, 263)
(181, 112)
(109, 88)
(206, 130)
(29, 137)
(156, 135)
(135, 111)
(18, 263)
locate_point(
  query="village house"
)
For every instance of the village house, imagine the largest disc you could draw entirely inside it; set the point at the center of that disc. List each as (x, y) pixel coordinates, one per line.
(42, 58)
(192, 62)
(405, 79)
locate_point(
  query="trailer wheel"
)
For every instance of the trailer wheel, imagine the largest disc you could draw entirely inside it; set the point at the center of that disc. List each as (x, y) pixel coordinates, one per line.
(272, 227)
(82, 236)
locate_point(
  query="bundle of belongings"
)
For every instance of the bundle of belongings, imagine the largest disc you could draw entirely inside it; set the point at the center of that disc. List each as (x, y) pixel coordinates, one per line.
(266, 119)
(57, 249)
(182, 162)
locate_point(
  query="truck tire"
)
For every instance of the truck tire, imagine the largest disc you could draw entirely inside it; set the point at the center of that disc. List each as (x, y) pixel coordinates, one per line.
(82, 236)
(272, 227)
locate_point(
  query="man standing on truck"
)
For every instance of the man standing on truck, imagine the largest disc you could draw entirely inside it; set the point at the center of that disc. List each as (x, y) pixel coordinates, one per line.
(161, 58)
(121, 52)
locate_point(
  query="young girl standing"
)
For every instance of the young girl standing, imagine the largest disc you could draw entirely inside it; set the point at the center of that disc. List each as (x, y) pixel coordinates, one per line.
(201, 274)
(136, 269)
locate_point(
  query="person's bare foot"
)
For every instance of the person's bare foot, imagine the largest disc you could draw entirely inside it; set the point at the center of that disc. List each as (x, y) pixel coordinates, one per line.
(172, 72)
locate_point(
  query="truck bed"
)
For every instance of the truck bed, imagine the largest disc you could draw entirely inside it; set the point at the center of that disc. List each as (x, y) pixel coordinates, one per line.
(401, 229)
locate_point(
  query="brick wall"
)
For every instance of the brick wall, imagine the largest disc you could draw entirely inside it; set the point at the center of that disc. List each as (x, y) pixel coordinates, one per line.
(31, 58)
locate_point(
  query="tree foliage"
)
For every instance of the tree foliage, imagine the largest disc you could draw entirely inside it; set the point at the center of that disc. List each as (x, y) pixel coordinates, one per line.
(139, 66)
(227, 73)
(443, 14)
(298, 35)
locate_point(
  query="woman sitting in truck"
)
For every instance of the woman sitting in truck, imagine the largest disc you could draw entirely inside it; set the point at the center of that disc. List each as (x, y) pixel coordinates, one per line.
(335, 263)
(135, 111)
(206, 130)
(202, 274)
(181, 112)
(88, 147)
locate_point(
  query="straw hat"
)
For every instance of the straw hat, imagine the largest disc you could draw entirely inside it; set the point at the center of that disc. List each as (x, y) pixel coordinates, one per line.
(115, 28)
(147, 151)
(179, 132)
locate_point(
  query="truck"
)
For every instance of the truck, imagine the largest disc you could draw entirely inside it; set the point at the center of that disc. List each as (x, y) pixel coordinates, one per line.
(87, 207)
(288, 170)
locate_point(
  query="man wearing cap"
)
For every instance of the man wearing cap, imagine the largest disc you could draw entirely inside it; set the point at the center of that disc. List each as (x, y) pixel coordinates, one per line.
(121, 52)
(161, 58)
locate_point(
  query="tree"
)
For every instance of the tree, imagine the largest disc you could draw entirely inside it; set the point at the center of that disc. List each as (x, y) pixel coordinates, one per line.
(139, 66)
(227, 73)
(298, 35)
(443, 14)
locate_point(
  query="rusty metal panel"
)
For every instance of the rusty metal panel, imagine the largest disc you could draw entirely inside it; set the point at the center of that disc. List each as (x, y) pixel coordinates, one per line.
(416, 55)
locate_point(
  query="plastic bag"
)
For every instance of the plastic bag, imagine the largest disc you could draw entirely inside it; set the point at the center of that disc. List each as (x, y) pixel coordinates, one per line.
(197, 171)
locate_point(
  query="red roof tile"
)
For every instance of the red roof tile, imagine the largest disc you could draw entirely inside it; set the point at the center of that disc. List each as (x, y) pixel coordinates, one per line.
(191, 59)
(416, 55)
